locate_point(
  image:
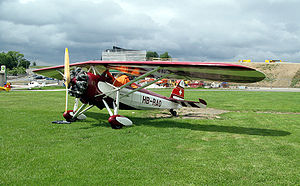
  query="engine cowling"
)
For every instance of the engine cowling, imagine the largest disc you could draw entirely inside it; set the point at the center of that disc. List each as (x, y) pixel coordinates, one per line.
(83, 85)
(79, 82)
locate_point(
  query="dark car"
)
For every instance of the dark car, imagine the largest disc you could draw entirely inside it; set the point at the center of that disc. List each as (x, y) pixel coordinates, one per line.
(39, 77)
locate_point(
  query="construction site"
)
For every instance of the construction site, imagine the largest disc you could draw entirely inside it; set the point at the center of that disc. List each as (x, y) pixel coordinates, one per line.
(279, 74)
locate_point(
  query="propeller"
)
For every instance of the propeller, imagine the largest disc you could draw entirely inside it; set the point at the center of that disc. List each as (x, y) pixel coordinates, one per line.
(67, 76)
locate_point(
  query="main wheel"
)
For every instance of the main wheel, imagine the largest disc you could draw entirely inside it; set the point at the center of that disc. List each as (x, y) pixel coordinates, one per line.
(114, 126)
(114, 123)
(69, 116)
(118, 121)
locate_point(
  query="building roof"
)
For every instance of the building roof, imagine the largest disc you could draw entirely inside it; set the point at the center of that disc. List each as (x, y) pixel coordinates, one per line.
(118, 49)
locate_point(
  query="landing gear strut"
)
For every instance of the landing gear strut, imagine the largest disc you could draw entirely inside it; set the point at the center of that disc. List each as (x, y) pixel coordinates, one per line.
(116, 121)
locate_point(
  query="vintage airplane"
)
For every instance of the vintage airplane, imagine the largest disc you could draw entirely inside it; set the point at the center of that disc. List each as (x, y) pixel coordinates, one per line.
(6, 87)
(33, 84)
(92, 84)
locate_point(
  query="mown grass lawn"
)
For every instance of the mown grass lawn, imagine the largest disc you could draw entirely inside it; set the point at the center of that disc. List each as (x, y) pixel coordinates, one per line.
(258, 142)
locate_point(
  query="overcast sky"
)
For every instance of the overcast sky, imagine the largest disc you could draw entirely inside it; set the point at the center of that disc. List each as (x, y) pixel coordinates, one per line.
(193, 30)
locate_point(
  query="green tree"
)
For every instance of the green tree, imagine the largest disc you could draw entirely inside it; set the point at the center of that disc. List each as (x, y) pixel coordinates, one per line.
(24, 63)
(7, 60)
(165, 55)
(150, 55)
(17, 71)
(13, 59)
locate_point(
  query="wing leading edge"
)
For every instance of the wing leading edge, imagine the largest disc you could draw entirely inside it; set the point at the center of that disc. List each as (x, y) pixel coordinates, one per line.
(177, 70)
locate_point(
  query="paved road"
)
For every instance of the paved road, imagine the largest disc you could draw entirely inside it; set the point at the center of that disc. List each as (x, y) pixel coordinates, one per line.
(37, 90)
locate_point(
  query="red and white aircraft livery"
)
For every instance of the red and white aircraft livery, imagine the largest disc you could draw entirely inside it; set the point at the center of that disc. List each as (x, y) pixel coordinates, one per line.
(92, 84)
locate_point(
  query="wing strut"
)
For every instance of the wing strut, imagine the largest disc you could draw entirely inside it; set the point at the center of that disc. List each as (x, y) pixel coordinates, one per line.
(129, 83)
(60, 73)
(148, 84)
(140, 77)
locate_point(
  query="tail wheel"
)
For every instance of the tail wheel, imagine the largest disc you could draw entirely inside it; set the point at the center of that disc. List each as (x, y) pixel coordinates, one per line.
(173, 112)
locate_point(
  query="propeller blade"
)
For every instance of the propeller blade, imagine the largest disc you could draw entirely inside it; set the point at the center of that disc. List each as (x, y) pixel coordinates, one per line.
(67, 67)
(67, 75)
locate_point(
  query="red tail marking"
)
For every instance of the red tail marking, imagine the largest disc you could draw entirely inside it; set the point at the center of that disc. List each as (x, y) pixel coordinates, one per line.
(178, 91)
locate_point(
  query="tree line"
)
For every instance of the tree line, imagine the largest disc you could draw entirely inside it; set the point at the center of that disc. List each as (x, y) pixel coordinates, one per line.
(150, 55)
(14, 62)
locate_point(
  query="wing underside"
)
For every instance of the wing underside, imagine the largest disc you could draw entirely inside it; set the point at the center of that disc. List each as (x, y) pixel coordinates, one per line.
(176, 70)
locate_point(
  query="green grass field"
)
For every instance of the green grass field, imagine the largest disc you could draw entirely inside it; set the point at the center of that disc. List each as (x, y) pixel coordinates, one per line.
(257, 142)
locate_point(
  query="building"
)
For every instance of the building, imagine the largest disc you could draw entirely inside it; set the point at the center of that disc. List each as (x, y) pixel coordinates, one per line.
(121, 54)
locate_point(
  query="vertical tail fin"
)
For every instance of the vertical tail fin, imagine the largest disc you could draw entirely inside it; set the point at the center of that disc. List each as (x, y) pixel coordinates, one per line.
(178, 91)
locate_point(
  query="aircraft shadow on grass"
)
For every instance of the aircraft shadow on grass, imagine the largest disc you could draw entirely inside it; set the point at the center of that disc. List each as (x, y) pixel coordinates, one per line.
(139, 121)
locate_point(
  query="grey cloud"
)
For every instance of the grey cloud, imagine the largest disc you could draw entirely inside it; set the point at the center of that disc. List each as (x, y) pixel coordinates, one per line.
(37, 13)
(189, 30)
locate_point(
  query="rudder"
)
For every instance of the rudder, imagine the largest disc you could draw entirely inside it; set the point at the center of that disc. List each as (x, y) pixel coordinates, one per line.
(178, 91)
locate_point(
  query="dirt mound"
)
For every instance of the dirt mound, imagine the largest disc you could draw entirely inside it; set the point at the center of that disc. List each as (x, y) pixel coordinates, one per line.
(206, 113)
(277, 74)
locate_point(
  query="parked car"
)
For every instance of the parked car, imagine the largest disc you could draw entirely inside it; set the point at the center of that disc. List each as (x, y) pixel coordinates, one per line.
(39, 77)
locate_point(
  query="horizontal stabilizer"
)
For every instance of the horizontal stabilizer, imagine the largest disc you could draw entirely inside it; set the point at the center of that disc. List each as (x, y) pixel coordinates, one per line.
(200, 104)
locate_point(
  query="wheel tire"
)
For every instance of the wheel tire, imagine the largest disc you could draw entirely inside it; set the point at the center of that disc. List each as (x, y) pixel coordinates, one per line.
(173, 112)
(68, 116)
(114, 126)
